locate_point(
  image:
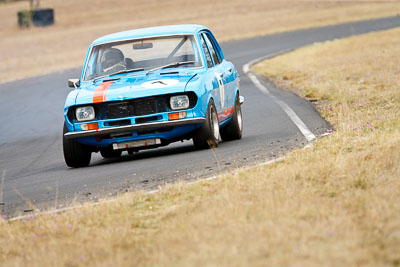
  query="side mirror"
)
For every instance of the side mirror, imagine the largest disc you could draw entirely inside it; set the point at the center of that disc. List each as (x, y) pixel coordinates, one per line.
(74, 83)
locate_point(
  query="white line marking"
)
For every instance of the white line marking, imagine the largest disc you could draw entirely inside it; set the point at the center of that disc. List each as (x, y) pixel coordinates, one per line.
(292, 115)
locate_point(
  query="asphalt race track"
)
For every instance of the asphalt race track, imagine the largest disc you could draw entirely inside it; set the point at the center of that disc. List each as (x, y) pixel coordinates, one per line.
(31, 119)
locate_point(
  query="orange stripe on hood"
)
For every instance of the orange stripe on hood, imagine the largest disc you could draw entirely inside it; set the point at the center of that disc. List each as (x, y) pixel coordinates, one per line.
(101, 91)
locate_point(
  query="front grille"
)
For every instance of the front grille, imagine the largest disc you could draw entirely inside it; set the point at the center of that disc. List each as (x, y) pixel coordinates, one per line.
(149, 106)
(120, 110)
(119, 123)
(147, 119)
(134, 107)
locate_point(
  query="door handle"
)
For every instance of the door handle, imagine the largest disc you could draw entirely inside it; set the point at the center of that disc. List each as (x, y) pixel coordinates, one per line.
(221, 75)
(230, 69)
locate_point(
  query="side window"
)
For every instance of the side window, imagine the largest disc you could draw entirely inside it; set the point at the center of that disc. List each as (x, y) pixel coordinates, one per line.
(210, 44)
(206, 52)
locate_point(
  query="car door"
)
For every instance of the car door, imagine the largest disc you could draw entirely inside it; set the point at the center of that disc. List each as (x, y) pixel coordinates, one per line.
(213, 73)
(223, 70)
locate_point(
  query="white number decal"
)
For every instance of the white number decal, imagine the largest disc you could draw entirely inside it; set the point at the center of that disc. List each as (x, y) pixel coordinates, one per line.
(221, 90)
(160, 83)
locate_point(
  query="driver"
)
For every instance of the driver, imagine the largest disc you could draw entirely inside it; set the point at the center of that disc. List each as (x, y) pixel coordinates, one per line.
(112, 61)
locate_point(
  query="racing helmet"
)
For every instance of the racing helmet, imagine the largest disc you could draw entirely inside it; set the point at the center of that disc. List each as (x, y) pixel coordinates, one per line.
(111, 58)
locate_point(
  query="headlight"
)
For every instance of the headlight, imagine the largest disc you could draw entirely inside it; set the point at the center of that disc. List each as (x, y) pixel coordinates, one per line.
(179, 102)
(85, 113)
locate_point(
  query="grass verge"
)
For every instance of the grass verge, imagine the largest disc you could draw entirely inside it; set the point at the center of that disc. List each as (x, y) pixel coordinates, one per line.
(34, 51)
(336, 203)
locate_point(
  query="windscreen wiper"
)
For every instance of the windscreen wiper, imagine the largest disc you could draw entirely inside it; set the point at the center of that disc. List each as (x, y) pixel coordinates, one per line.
(126, 71)
(171, 65)
(118, 72)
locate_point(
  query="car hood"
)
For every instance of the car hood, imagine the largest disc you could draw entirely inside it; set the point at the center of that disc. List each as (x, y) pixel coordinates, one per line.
(130, 87)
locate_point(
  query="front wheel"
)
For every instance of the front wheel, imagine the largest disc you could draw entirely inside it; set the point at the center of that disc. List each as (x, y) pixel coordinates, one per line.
(75, 154)
(208, 135)
(233, 131)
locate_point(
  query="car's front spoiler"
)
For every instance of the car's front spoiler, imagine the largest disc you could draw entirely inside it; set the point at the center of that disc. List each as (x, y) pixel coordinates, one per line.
(132, 128)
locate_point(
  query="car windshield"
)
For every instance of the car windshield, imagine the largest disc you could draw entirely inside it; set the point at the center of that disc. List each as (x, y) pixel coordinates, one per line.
(142, 54)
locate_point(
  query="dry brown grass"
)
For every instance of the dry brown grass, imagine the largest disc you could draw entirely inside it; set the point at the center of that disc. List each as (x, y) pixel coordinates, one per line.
(35, 51)
(337, 203)
(357, 81)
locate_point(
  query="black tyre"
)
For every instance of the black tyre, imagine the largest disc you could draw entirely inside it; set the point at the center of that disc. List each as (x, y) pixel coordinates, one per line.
(75, 154)
(233, 131)
(208, 135)
(109, 153)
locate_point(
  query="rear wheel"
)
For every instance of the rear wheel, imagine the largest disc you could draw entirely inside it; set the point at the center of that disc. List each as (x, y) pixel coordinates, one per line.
(109, 153)
(75, 154)
(208, 135)
(233, 131)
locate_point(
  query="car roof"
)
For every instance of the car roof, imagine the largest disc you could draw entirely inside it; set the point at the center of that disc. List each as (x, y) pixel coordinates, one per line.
(149, 32)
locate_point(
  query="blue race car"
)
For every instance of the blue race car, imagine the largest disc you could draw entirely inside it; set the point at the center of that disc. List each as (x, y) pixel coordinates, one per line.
(146, 88)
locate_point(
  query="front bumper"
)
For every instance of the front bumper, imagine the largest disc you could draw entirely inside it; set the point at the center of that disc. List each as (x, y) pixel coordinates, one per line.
(132, 128)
